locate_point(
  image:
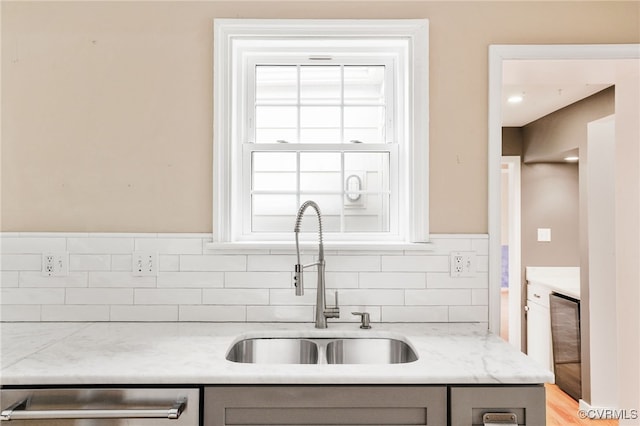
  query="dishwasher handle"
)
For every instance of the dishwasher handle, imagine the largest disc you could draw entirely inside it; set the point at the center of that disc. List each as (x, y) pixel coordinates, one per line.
(18, 411)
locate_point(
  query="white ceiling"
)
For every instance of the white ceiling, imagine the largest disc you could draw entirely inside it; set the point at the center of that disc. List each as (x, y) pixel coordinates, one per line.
(549, 85)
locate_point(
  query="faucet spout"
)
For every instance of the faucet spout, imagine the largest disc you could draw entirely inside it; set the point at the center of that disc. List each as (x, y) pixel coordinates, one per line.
(322, 311)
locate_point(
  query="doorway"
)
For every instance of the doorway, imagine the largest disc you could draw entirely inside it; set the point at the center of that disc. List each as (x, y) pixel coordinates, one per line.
(626, 151)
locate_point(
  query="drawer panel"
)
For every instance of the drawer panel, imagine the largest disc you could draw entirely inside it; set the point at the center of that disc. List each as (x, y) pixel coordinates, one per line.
(538, 294)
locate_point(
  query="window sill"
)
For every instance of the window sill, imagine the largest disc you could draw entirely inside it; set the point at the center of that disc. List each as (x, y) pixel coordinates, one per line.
(328, 246)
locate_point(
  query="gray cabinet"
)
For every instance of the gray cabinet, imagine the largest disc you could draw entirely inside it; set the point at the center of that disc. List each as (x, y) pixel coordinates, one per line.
(469, 404)
(326, 405)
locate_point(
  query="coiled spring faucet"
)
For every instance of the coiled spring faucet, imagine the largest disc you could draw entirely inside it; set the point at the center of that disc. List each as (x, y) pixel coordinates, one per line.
(322, 310)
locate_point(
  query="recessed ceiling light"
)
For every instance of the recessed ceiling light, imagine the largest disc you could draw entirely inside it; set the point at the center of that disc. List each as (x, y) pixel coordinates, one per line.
(571, 158)
(515, 99)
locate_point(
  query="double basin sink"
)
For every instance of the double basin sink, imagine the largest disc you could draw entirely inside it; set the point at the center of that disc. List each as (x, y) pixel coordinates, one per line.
(293, 350)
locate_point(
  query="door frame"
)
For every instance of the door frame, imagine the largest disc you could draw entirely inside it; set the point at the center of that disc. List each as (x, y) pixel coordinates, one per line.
(498, 54)
(515, 271)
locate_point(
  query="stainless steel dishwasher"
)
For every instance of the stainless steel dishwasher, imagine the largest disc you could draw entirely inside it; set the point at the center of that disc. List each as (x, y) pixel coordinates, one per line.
(101, 407)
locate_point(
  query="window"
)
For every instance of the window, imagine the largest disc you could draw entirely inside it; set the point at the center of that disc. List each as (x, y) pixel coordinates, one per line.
(331, 111)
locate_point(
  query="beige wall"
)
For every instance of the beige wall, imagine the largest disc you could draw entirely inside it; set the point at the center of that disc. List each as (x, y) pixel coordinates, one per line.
(554, 135)
(107, 106)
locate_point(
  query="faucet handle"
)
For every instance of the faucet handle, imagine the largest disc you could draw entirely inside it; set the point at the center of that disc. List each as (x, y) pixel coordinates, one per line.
(364, 319)
(333, 311)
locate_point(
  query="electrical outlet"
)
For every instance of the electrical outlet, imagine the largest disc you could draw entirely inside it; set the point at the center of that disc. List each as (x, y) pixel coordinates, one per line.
(144, 263)
(55, 264)
(462, 263)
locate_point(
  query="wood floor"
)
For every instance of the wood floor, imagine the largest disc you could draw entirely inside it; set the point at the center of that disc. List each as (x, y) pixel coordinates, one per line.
(562, 410)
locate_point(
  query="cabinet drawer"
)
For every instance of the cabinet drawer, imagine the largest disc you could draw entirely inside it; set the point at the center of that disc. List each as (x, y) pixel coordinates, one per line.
(469, 404)
(538, 294)
(325, 405)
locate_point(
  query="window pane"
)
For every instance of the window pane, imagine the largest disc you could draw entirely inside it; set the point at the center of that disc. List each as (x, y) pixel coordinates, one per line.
(330, 207)
(366, 201)
(371, 216)
(320, 124)
(364, 84)
(273, 171)
(371, 167)
(320, 171)
(273, 213)
(276, 84)
(364, 124)
(320, 84)
(276, 123)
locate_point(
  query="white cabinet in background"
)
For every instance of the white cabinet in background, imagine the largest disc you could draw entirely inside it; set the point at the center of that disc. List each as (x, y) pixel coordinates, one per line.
(539, 325)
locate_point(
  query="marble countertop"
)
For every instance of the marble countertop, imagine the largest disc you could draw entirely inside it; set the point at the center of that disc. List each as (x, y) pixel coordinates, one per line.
(194, 353)
(560, 279)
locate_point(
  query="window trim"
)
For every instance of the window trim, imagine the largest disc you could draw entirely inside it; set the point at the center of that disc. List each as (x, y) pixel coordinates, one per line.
(229, 35)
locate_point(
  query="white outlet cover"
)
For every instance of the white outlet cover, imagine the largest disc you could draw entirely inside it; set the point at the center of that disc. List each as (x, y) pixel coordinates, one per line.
(462, 264)
(55, 264)
(144, 263)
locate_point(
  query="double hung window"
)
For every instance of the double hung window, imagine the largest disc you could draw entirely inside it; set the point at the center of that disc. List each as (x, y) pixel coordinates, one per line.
(307, 112)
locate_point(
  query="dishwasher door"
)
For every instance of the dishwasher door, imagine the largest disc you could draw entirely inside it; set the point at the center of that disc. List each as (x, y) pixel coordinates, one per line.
(100, 407)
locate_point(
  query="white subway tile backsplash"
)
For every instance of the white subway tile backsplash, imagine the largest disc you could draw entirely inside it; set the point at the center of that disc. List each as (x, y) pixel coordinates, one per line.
(144, 313)
(119, 279)
(480, 297)
(169, 262)
(280, 314)
(169, 245)
(213, 263)
(9, 278)
(274, 262)
(393, 280)
(212, 313)
(121, 262)
(468, 313)
(415, 263)
(235, 296)
(198, 281)
(480, 246)
(21, 262)
(75, 313)
(444, 280)
(33, 245)
(438, 297)
(29, 313)
(100, 245)
(188, 296)
(344, 263)
(335, 280)
(89, 262)
(32, 296)
(99, 296)
(36, 279)
(370, 297)
(415, 314)
(190, 279)
(288, 297)
(258, 279)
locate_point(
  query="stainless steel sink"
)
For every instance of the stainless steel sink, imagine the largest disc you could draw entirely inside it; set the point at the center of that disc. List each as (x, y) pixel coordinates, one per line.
(295, 350)
(274, 351)
(369, 351)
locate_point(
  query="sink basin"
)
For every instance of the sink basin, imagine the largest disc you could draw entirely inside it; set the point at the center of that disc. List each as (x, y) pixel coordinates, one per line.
(304, 350)
(369, 351)
(274, 351)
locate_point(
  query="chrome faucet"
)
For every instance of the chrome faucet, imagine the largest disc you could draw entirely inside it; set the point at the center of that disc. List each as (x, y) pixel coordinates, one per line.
(322, 310)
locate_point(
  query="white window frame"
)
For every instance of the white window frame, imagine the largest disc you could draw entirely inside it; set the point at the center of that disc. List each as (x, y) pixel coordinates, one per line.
(238, 41)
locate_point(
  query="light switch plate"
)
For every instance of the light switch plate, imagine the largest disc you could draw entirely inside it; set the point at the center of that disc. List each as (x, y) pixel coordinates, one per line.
(544, 235)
